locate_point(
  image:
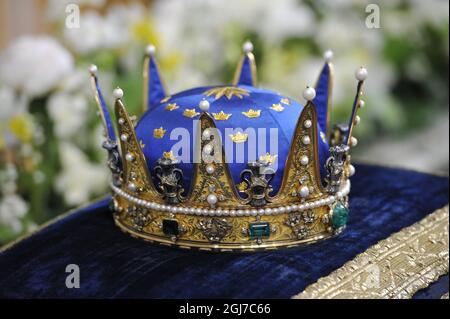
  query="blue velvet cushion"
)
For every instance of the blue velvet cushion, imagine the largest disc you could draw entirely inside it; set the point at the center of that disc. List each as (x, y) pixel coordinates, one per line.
(112, 264)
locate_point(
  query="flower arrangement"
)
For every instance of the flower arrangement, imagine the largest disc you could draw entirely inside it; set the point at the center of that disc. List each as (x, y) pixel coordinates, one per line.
(50, 159)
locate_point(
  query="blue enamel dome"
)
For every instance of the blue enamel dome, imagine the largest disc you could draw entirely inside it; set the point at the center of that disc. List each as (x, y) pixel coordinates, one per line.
(274, 127)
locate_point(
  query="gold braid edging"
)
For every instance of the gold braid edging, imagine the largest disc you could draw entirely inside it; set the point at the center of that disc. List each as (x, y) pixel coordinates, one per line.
(396, 267)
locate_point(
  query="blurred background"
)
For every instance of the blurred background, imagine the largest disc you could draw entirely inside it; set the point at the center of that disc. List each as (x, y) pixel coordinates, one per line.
(50, 137)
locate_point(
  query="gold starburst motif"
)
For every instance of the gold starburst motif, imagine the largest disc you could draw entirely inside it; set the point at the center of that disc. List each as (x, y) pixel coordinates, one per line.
(277, 107)
(166, 99)
(191, 113)
(171, 106)
(159, 132)
(242, 187)
(252, 113)
(169, 155)
(268, 158)
(239, 137)
(227, 91)
(285, 101)
(221, 116)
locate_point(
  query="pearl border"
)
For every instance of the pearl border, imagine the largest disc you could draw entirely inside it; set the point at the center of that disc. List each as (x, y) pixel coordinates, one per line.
(345, 190)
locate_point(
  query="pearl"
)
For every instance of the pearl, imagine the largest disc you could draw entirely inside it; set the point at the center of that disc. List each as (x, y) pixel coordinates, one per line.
(361, 74)
(353, 141)
(121, 121)
(204, 105)
(93, 69)
(357, 120)
(309, 93)
(129, 157)
(206, 135)
(362, 103)
(247, 47)
(307, 124)
(132, 187)
(150, 50)
(124, 137)
(304, 191)
(211, 199)
(306, 140)
(118, 93)
(339, 195)
(239, 212)
(304, 160)
(207, 149)
(210, 169)
(328, 55)
(351, 170)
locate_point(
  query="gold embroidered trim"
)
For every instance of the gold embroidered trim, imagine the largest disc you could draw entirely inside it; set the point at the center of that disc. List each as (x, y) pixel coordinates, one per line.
(397, 267)
(227, 91)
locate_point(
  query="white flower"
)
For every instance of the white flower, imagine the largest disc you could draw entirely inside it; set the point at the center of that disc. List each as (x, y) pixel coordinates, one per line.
(79, 179)
(12, 209)
(68, 112)
(35, 65)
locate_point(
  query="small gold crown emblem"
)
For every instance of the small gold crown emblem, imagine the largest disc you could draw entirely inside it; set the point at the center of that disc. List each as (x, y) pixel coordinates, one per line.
(171, 106)
(277, 107)
(268, 158)
(221, 116)
(166, 99)
(285, 101)
(191, 113)
(159, 132)
(169, 155)
(228, 91)
(252, 113)
(239, 137)
(141, 143)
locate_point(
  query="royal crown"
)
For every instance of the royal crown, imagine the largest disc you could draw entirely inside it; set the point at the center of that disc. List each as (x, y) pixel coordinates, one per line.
(243, 196)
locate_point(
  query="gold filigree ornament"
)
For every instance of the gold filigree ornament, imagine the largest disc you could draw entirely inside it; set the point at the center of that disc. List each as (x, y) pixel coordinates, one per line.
(239, 137)
(191, 113)
(171, 107)
(159, 132)
(277, 107)
(221, 116)
(251, 113)
(227, 91)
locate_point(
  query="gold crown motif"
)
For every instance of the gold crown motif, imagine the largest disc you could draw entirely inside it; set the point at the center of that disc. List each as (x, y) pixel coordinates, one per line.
(239, 137)
(217, 212)
(221, 116)
(251, 113)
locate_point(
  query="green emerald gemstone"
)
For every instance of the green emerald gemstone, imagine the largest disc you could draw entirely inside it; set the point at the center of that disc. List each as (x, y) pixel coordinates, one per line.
(259, 230)
(340, 215)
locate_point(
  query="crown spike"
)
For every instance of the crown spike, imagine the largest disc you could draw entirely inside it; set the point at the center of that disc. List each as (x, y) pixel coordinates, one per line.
(136, 177)
(301, 179)
(154, 88)
(324, 90)
(101, 104)
(361, 76)
(245, 73)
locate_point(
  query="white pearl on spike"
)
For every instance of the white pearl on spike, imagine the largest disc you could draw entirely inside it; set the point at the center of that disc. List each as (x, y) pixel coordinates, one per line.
(362, 103)
(353, 141)
(211, 199)
(309, 94)
(357, 120)
(351, 170)
(207, 149)
(361, 74)
(210, 169)
(306, 140)
(124, 137)
(304, 192)
(129, 157)
(118, 93)
(307, 123)
(93, 69)
(247, 47)
(204, 105)
(304, 160)
(206, 134)
(328, 56)
(150, 50)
